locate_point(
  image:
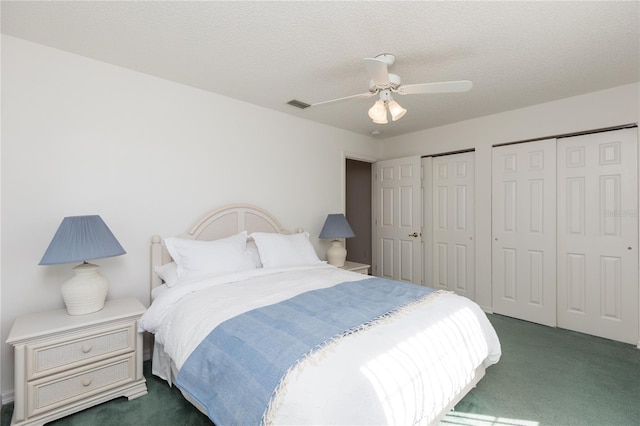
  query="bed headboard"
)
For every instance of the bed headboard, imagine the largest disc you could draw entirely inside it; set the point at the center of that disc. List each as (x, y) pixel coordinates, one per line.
(220, 223)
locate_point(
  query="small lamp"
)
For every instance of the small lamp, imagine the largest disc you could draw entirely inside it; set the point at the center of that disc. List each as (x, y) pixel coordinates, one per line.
(336, 226)
(79, 239)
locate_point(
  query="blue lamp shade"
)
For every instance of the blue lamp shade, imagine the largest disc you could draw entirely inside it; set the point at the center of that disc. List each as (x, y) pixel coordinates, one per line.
(336, 226)
(81, 238)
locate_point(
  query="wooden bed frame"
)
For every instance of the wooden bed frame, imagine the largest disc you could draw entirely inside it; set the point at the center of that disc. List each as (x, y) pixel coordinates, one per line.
(220, 223)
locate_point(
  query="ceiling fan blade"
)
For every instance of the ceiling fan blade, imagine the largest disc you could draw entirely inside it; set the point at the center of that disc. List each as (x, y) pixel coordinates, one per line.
(346, 98)
(378, 71)
(441, 87)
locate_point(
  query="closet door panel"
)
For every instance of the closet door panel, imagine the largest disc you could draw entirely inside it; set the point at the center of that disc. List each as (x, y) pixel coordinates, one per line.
(598, 234)
(524, 239)
(453, 223)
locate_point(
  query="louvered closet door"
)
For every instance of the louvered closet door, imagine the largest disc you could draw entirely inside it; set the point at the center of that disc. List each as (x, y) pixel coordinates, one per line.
(453, 198)
(598, 234)
(524, 223)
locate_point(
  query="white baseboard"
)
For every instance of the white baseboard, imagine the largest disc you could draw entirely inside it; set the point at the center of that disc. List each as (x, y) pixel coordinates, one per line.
(487, 309)
(6, 398)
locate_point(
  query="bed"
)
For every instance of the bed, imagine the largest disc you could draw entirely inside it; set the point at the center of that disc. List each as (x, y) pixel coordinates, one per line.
(268, 333)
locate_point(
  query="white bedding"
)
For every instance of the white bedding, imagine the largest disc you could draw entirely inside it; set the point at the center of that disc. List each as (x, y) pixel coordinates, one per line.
(401, 371)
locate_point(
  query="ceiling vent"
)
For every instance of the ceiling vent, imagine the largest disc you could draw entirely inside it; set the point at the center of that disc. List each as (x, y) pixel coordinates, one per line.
(298, 104)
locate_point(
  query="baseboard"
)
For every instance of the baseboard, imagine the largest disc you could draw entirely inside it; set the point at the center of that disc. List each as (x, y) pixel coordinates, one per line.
(487, 309)
(6, 398)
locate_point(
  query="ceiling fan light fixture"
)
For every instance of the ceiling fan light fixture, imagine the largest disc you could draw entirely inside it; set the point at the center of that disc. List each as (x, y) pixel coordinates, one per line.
(383, 120)
(378, 112)
(397, 112)
(383, 83)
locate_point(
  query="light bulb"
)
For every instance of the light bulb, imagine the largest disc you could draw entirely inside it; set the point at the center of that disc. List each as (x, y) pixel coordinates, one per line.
(397, 112)
(378, 112)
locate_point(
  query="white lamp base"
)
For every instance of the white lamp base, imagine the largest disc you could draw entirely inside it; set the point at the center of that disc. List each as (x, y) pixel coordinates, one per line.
(86, 291)
(336, 253)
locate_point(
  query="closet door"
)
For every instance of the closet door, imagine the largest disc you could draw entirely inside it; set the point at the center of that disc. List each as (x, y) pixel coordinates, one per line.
(453, 198)
(427, 222)
(524, 224)
(598, 234)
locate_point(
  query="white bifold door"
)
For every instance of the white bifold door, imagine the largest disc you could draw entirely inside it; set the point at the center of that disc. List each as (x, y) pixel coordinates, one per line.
(397, 248)
(452, 207)
(598, 234)
(565, 228)
(524, 225)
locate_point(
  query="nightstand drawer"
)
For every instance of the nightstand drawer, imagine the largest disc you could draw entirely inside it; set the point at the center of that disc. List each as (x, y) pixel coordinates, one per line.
(64, 388)
(45, 357)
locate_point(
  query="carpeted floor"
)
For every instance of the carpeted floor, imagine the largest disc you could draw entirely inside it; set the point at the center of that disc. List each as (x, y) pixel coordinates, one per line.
(546, 376)
(550, 376)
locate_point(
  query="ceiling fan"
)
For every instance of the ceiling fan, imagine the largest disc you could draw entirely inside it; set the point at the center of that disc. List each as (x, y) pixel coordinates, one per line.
(383, 84)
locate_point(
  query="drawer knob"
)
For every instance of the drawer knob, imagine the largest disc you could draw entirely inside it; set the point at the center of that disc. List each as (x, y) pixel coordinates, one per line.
(86, 381)
(86, 348)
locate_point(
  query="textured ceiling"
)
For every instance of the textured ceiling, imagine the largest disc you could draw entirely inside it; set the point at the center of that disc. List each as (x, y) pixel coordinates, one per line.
(267, 53)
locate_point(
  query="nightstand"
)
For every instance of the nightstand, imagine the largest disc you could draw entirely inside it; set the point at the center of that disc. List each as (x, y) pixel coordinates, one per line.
(356, 267)
(64, 363)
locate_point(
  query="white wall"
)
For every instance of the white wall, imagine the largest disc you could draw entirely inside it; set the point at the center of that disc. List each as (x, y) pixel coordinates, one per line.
(150, 156)
(612, 107)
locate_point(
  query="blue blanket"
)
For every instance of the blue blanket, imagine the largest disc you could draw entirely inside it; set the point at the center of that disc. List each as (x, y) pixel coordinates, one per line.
(236, 368)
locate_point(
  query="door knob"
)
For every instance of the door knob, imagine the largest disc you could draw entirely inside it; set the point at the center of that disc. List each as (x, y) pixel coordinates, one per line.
(415, 235)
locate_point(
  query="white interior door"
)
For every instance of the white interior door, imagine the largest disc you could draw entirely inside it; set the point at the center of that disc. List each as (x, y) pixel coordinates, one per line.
(453, 199)
(398, 220)
(598, 234)
(524, 225)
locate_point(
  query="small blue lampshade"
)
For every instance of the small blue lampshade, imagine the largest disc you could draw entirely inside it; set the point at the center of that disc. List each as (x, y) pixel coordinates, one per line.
(336, 226)
(81, 238)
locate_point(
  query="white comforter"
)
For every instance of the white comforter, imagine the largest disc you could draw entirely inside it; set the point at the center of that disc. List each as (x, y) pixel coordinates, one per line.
(402, 371)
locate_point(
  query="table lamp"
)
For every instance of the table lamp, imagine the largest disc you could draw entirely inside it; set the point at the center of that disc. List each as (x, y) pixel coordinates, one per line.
(79, 239)
(336, 226)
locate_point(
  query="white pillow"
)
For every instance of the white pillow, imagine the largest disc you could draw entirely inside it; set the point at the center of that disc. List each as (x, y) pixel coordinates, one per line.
(168, 273)
(203, 259)
(280, 250)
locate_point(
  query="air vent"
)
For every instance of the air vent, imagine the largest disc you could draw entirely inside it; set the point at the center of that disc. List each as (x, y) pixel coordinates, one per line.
(298, 104)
